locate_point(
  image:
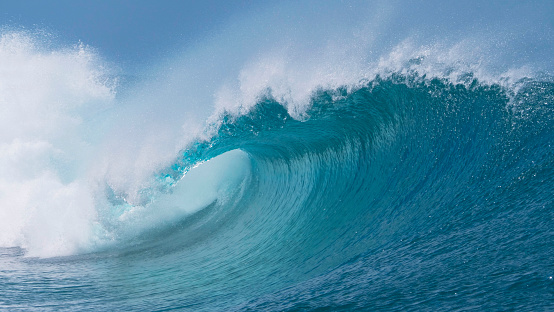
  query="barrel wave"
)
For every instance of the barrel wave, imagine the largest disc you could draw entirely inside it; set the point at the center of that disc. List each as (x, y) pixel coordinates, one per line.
(399, 190)
(402, 192)
(413, 177)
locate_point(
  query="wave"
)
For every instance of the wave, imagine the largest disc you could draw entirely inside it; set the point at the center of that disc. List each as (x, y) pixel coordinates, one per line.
(76, 149)
(330, 169)
(418, 179)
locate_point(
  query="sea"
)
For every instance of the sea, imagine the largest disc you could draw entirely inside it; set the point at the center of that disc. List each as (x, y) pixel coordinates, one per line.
(339, 156)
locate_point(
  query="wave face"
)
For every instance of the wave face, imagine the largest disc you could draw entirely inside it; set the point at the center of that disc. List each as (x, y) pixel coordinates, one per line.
(404, 192)
(416, 181)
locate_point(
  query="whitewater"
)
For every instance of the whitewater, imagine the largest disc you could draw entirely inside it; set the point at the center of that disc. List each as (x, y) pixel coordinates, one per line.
(351, 156)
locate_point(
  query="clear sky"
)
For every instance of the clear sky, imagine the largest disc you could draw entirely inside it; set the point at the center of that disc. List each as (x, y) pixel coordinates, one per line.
(128, 32)
(134, 33)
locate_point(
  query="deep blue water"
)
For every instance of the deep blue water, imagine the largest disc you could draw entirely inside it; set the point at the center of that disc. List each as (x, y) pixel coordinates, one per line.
(402, 194)
(353, 158)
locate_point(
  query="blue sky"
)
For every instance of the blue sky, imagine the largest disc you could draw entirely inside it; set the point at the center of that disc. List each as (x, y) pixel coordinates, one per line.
(137, 33)
(128, 32)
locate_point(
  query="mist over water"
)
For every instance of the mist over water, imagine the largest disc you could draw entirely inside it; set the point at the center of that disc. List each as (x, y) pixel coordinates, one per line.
(350, 156)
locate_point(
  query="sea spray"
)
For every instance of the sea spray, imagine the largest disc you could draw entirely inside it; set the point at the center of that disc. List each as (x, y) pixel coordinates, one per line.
(47, 98)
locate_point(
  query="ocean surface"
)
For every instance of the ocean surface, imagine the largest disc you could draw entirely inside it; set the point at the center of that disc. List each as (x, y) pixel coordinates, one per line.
(354, 171)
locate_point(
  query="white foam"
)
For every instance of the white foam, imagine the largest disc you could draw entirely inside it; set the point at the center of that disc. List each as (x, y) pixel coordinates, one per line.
(45, 97)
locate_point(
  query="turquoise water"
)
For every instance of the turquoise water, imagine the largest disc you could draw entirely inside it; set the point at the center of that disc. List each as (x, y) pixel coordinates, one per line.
(417, 179)
(396, 195)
